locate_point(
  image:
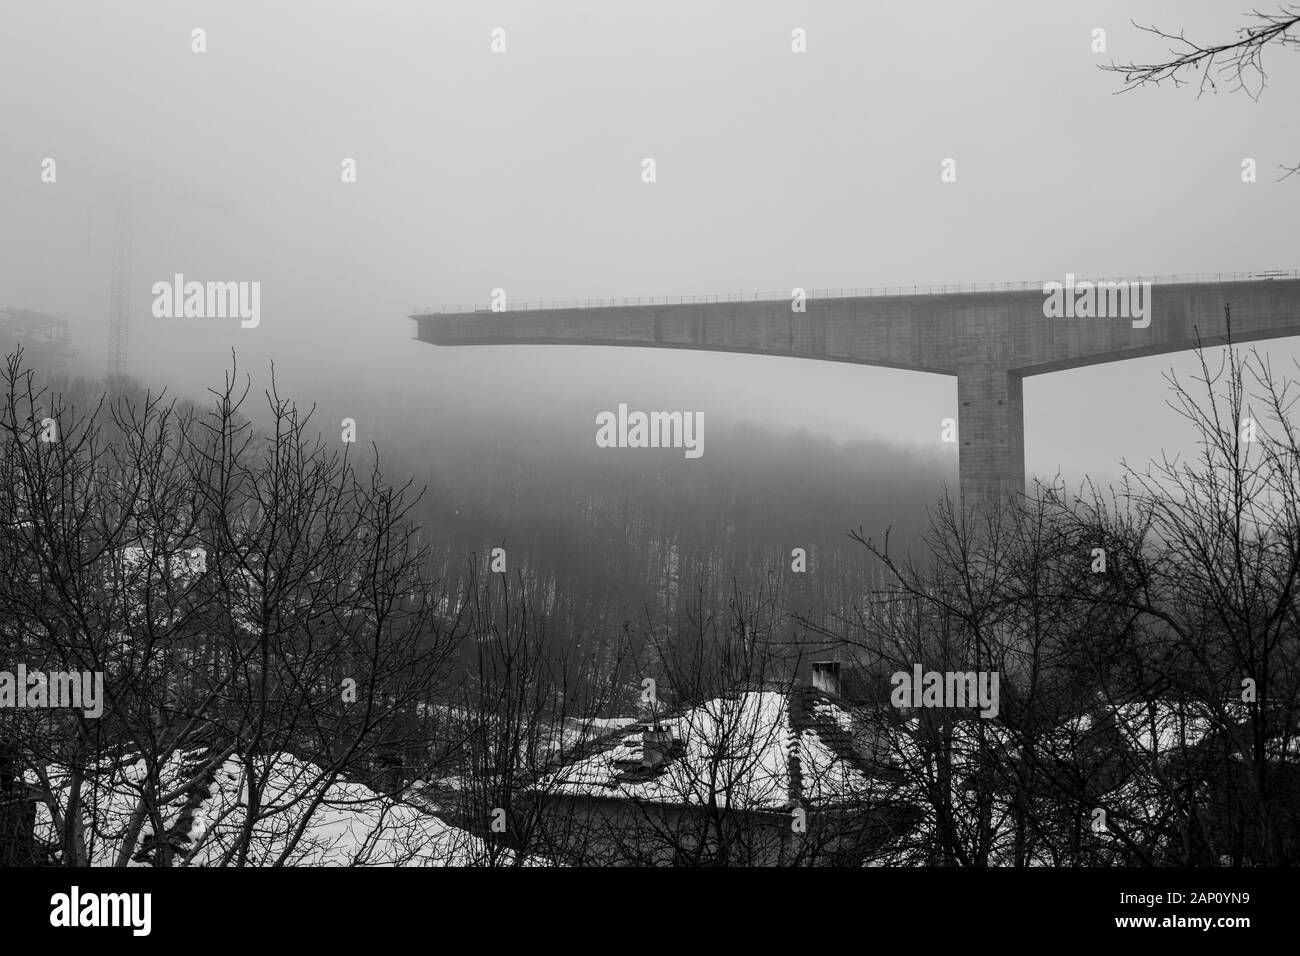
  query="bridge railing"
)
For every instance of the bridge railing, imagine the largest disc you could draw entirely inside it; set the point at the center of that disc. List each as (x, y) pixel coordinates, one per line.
(948, 289)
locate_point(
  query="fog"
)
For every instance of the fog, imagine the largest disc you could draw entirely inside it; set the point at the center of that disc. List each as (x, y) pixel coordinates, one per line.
(521, 170)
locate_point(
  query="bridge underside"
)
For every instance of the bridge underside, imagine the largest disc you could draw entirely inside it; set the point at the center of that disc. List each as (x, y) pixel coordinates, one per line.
(989, 340)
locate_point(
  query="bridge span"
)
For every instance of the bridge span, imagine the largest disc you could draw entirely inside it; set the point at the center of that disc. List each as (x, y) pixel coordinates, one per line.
(990, 338)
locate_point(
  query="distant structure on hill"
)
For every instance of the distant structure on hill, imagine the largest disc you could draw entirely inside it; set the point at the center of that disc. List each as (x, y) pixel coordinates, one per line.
(44, 338)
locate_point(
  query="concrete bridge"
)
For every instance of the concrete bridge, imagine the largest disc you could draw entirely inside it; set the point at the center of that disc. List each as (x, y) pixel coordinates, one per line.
(990, 337)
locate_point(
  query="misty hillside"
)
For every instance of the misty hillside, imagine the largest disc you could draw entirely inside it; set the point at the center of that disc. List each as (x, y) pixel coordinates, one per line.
(605, 536)
(635, 527)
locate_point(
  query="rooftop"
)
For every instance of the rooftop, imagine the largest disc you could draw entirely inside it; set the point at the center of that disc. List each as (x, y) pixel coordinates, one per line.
(757, 750)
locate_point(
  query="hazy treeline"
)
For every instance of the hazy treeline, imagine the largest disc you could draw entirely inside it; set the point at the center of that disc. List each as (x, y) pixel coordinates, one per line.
(608, 535)
(602, 537)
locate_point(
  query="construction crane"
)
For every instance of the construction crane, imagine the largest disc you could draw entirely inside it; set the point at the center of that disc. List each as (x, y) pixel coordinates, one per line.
(119, 293)
(130, 193)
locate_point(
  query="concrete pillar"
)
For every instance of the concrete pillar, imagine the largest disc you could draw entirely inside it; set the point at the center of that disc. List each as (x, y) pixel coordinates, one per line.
(990, 430)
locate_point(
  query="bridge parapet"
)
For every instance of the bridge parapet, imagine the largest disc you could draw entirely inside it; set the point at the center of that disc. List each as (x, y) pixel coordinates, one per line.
(950, 288)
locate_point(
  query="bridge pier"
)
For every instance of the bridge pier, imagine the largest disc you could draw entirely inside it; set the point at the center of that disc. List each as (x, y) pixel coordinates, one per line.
(990, 430)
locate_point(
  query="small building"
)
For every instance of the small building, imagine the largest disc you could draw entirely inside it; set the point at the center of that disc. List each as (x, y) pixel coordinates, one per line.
(757, 778)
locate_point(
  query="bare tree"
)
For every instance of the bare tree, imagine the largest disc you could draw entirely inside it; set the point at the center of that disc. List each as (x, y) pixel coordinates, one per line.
(1209, 573)
(1147, 645)
(1239, 62)
(259, 608)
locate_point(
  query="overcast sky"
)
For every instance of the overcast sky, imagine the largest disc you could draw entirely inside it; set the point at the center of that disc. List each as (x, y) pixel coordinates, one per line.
(522, 170)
